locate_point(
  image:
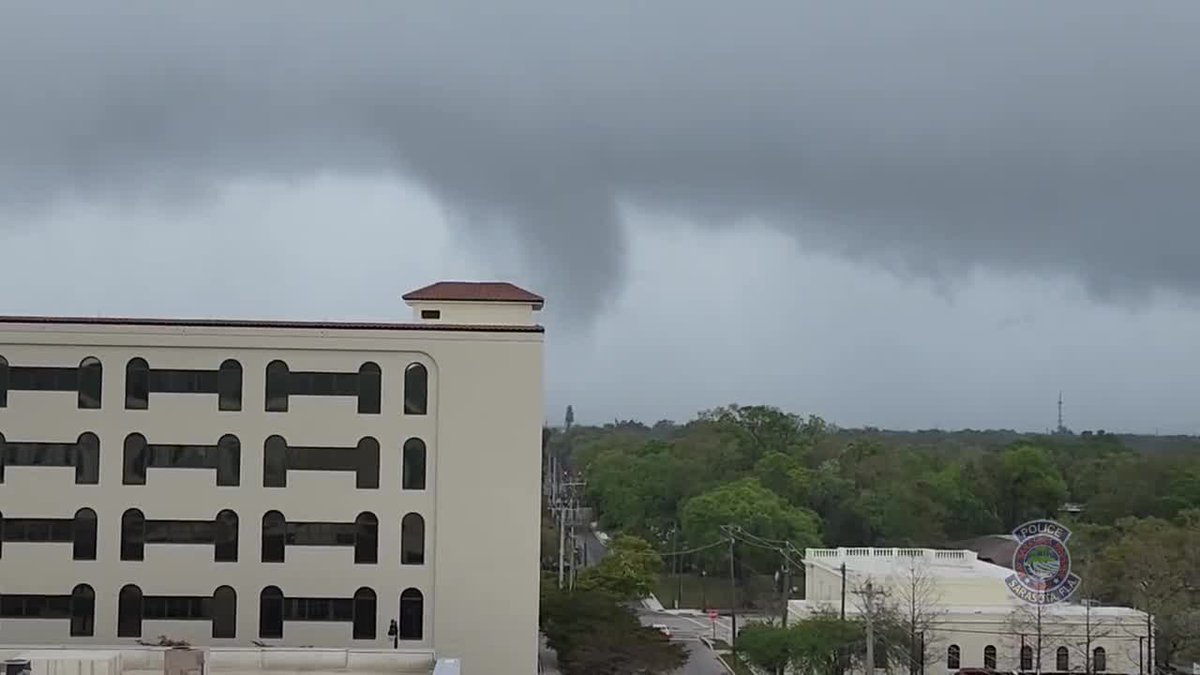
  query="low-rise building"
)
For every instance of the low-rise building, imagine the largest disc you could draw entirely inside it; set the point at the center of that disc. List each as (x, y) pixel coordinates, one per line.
(973, 620)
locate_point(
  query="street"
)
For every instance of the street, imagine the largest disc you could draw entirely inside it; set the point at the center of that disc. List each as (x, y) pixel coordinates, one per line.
(688, 630)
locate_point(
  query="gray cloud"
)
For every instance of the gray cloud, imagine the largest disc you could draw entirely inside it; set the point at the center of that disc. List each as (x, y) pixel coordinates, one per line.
(936, 136)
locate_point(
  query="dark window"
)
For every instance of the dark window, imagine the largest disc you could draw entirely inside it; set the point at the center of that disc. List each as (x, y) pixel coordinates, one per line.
(953, 657)
(274, 534)
(431, 314)
(318, 609)
(412, 540)
(1026, 658)
(412, 614)
(364, 614)
(270, 613)
(363, 460)
(1062, 660)
(370, 382)
(133, 535)
(416, 389)
(87, 459)
(413, 477)
(137, 384)
(84, 535)
(229, 386)
(989, 657)
(366, 539)
(277, 387)
(129, 612)
(224, 457)
(83, 611)
(84, 455)
(15, 606)
(4, 382)
(1099, 660)
(175, 607)
(224, 611)
(91, 375)
(225, 535)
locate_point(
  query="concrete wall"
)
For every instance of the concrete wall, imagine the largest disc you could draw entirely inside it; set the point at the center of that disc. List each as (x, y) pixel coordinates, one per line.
(482, 434)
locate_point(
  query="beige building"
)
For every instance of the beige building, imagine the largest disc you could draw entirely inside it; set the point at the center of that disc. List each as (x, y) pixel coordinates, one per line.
(239, 483)
(974, 620)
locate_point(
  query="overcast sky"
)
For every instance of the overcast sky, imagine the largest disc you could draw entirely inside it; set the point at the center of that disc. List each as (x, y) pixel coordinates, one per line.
(912, 215)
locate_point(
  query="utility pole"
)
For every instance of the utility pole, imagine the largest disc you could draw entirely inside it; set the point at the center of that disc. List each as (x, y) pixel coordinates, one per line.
(869, 593)
(732, 593)
(841, 656)
(561, 545)
(675, 563)
(787, 590)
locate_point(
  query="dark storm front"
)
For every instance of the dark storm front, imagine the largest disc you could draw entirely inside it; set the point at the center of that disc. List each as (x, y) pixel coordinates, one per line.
(224, 386)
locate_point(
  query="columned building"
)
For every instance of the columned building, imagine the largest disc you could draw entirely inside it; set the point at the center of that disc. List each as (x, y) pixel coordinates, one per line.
(973, 620)
(277, 484)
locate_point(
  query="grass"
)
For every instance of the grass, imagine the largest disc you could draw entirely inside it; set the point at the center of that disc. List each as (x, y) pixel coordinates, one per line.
(758, 592)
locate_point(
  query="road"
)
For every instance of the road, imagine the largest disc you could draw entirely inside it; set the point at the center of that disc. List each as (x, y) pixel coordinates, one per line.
(593, 549)
(687, 631)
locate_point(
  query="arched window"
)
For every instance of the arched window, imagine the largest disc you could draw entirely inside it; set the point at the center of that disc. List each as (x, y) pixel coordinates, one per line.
(277, 387)
(364, 614)
(229, 461)
(83, 611)
(225, 535)
(370, 381)
(3, 382)
(989, 657)
(1062, 660)
(270, 613)
(137, 384)
(137, 456)
(91, 375)
(129, 612)
(366, 539)
(1099, 660)
(87, 459)
(224, 612)
(412, 540)
(84, 535)
(413, 477)
(416, 389)
(275, 462)
(1026, 658)
(229, 385)
(274, 535)
(953, 657)
(412, 614)
(366, 475)
(133, 535)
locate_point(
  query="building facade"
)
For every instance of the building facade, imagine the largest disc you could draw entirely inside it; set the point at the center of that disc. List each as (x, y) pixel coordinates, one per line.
(235, 483)
(974, 621)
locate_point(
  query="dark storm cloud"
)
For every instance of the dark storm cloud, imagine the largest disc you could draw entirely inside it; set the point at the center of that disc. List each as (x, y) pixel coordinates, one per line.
(1051, 137)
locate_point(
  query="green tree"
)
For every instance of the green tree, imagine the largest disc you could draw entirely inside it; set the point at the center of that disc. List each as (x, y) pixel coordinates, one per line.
(1032, 485)
(593, 634)
(756, 510)
(627, 571)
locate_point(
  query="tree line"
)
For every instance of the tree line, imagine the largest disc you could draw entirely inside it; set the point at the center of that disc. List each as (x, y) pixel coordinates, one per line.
(785, 477)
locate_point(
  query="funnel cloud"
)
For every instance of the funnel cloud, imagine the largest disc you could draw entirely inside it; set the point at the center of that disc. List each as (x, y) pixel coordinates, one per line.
(931, 136)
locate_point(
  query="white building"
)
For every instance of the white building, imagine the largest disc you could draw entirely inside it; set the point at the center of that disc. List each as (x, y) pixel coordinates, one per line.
(292, 484)
(979, 623)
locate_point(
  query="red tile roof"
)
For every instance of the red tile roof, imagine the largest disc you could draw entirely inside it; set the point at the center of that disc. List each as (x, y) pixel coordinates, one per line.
(239, 323)
(475, 291)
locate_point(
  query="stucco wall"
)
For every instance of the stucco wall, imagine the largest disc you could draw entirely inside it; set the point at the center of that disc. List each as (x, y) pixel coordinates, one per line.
(481, 503)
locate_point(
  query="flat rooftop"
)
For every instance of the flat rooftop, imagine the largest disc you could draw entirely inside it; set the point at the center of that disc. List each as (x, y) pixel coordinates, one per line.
(887, 561)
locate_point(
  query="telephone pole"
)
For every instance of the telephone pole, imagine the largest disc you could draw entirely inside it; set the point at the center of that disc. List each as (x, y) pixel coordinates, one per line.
(732, 593)
(787, 590)
(869, 593)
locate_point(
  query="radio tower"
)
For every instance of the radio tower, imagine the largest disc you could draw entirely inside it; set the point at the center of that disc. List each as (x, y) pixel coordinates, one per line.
(1061, 430)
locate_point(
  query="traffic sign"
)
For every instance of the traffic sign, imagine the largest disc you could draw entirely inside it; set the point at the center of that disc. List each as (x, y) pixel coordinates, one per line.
(712, 615)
